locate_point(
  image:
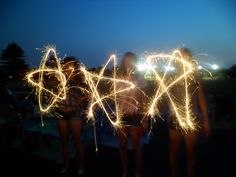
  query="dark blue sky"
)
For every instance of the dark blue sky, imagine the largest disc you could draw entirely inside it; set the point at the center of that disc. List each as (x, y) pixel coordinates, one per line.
(91, 30)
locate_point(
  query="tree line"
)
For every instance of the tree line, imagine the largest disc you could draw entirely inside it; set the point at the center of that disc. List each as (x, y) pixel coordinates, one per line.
(12, 63)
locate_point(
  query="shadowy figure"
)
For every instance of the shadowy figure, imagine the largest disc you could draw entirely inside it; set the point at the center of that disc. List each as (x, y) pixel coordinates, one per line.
(130, 106)
(72, 111)
(199, 108)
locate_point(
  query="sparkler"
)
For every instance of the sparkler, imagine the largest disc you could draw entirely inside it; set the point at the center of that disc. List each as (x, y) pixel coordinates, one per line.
(97, 98)
(48, 98)
(183, 114)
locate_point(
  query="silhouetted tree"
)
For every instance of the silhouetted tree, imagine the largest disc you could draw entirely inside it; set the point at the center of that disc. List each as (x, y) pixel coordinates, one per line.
(232, 72)
(13, 66)
(221, 74)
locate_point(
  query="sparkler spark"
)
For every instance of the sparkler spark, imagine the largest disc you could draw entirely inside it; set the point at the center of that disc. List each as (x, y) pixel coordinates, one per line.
(102, 100)
(183, 114)
(48, 98)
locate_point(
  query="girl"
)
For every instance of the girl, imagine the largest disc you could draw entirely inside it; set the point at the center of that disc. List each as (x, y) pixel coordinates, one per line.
(199, 109)
(130, 104)
(72, 114)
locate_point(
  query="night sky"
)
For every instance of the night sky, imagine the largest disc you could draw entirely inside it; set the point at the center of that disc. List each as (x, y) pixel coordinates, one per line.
(92, 30)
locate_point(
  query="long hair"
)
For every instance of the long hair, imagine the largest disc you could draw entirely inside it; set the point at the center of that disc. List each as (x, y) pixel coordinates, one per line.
(186, 51)
(123, 69)
(73, 60)
(77, 76)
(196, 79)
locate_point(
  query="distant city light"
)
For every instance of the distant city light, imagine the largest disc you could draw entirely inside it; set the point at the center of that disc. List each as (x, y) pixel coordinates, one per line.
(141, 67)
(215, 66)
(144, 67)
(199, 67)
(169, 68)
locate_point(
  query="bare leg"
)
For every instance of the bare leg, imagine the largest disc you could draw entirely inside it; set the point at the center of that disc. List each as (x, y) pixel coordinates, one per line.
(76, 133)
(63, 131)
(136, 135)
(190, 143)
(175, 139)
(122, 134)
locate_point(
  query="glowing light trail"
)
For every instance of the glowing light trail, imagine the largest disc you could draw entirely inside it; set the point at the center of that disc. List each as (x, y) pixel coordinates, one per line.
(48, 98)
(183, 115)
(97, 98)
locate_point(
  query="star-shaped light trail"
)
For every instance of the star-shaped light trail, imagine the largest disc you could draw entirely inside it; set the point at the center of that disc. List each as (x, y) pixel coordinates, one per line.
(48, 98)
(183, 114)
(103, 101)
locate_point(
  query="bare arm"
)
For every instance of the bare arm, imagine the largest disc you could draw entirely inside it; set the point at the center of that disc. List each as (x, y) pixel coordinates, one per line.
(203, 107)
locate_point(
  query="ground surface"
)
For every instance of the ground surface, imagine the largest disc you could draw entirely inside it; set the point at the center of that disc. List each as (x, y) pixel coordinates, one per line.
(216, 158)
